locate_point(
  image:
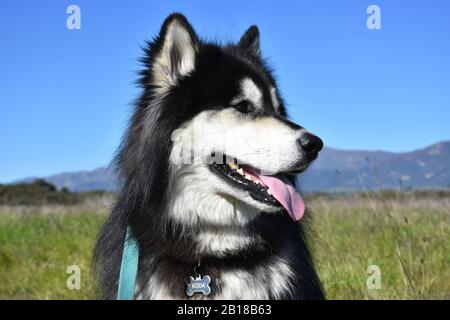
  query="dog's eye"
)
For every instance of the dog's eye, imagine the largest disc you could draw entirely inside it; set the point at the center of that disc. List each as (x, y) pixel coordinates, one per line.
(243, 106)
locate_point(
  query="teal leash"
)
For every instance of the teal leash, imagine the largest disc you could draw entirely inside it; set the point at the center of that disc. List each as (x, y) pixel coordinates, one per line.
(128, 268)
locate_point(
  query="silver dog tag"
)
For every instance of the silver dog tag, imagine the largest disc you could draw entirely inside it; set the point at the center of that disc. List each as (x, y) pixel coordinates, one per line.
(198, 285)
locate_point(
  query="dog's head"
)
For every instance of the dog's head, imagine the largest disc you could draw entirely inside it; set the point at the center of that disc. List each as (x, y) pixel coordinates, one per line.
(217, 112)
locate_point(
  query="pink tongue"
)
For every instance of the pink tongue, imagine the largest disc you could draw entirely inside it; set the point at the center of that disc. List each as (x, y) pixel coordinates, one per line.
(285, 193)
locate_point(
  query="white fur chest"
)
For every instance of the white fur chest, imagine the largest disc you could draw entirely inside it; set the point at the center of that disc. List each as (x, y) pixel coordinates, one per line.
(273, 280)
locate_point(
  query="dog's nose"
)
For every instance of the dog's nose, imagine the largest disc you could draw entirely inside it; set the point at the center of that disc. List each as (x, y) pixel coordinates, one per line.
(310, 143)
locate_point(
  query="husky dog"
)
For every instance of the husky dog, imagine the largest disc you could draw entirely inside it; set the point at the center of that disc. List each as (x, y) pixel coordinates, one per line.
(206, 170)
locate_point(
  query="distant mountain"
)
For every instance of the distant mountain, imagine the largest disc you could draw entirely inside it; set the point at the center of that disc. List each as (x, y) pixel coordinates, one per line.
(334, 170)
(98, 179)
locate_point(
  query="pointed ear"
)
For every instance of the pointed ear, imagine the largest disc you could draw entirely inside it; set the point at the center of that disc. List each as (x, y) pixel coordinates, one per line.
(178, 45)
(250, 41)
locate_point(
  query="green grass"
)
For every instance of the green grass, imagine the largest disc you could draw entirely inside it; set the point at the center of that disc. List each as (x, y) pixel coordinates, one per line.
(408, 240)
(36, 250)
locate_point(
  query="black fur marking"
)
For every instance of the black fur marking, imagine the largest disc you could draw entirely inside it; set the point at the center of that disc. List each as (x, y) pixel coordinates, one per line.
(168, 250)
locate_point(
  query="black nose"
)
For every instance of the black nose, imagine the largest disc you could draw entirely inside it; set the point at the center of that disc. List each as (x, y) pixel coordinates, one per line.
(310, 143)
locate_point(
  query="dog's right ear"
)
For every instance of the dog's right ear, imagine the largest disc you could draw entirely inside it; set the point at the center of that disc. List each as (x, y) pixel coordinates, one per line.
(250, 41)
(178, 45)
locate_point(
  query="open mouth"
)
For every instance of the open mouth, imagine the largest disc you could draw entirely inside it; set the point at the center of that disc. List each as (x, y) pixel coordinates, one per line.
(245, 178)
(274, 190)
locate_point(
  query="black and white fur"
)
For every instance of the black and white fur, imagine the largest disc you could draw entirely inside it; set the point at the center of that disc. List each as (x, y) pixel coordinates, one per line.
(225, 99)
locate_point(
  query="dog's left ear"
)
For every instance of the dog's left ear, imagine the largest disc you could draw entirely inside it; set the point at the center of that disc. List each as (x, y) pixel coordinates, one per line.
(178, 45)
(250, 41)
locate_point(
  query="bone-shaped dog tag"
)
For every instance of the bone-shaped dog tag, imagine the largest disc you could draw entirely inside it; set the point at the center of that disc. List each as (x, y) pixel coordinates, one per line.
(198, 285)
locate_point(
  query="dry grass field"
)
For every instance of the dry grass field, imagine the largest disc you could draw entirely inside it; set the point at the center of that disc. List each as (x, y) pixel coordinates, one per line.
(406, 236)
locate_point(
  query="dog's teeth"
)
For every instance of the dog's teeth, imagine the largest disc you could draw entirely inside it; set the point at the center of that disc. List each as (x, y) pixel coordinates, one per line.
(233, 166)
(269, 192)
(257, 182)
(248, 177)
(240, 171)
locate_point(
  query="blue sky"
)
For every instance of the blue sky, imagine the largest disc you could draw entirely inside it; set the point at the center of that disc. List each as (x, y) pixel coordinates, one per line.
(65, 94)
